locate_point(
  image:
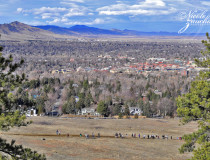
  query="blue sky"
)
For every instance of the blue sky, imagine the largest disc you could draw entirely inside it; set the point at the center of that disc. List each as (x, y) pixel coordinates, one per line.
(141, 15)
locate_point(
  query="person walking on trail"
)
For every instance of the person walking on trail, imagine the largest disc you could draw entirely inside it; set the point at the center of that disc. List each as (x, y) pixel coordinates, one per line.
(139, 135)
(116, 135)
(57, 132)
(120, 135)
(86, 136)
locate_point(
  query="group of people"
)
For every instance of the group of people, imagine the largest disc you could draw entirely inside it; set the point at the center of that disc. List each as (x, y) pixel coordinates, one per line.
(92, 136)
(120, 135)
(134, 135)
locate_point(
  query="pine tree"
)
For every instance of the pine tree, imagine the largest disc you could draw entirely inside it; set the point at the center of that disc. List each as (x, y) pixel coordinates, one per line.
(127, 111)
(88, 99)
(70, 106)
(147, 109)
(117, 109)
(195, 106)
(102, 108)
(9, 116)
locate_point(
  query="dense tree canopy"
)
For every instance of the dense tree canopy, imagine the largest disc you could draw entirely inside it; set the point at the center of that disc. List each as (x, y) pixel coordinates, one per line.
(195, 106)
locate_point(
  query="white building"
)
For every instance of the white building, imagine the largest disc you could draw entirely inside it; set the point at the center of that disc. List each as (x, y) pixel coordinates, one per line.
(31, 112)
(89, 111)
(135, 110)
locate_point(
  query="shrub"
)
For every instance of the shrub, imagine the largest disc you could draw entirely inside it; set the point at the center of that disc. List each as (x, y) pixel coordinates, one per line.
(136, 116)
(120, 116)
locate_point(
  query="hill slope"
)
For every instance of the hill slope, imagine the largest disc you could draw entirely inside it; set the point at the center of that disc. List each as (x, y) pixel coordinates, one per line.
(21, 31)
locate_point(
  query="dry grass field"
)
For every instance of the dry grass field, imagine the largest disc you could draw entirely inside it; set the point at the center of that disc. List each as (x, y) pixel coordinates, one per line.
(106, 147)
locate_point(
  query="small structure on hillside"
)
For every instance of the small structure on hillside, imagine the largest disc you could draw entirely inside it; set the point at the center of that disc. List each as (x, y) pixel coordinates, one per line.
(53, 113)
(89, 112)
(158, 93)
(76, 99)
(31, 112)
(75, 85)
(56, 109)
(135, 110)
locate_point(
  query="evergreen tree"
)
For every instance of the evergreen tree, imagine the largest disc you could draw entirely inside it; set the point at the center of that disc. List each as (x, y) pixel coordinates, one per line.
(88, 99)
(195, 106)
(120, 115)
(70, 106)
(40, 109)
(127, 111)
(9, 117)
(102, 108)
(109, 101)
(85, 84)
(117, 109)
(80, 105)
(136, 116)
(40, 103)
(118, 86)
(146, 110)
(141, 104)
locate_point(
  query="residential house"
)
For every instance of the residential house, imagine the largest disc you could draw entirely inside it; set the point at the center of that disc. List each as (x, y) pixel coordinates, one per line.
(89, 111)
(63, 71)
(158, 93)
(31, 112)
(80, 69)
(75, 85)
(114, 70)
(56, 109)
(53, 113)
(135, 110)
(76, 99)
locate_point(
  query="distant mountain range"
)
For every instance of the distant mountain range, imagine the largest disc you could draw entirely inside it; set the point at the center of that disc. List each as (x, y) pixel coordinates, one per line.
(23, 31)
(85, 30)
(79, 30)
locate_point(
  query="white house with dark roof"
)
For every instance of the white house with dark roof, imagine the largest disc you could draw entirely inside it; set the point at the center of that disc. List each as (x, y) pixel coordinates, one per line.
(135, 110)
(89, 111)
